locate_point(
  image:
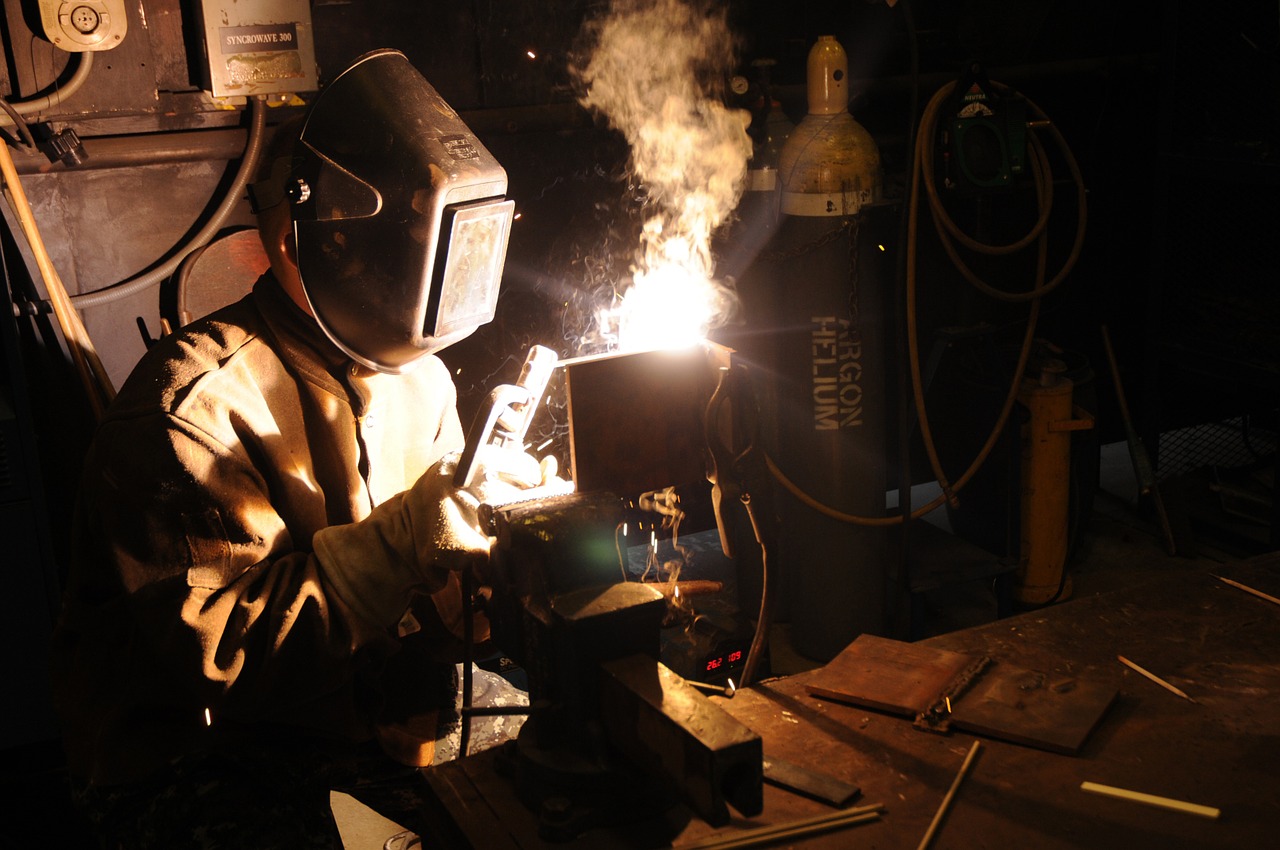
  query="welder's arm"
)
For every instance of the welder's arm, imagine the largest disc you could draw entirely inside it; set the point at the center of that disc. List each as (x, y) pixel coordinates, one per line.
(417, 538)
(414, 539)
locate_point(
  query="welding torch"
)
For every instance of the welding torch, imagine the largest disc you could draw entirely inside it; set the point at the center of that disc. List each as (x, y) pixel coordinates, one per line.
(505, 419)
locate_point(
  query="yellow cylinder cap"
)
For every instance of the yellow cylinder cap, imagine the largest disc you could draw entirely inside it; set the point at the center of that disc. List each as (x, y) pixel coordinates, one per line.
(828, 71)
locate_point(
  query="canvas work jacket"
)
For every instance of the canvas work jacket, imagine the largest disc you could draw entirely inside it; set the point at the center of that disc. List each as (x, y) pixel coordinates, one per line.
(195, 609)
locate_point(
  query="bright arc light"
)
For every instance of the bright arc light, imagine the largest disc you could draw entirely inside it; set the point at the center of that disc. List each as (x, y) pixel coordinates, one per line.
(666, 308)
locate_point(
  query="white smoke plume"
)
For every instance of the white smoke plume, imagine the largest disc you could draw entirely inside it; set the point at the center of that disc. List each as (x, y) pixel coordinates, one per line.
(655, 71)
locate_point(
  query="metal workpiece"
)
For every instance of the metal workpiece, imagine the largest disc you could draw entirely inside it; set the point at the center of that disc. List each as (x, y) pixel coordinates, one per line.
(663, 725)
(636, 419)
(564, 542)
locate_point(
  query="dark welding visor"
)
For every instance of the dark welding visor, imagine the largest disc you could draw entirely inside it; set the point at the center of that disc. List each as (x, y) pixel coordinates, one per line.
(399, 215)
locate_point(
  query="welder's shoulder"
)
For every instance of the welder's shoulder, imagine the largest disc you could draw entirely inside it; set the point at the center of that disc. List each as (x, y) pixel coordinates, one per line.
(208, 355)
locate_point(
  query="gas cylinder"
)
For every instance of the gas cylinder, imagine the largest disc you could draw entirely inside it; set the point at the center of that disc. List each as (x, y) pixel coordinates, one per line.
(829, 281)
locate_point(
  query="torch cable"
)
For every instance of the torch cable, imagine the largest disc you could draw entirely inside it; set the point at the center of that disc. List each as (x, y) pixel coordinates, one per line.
(235, 193)
(765, 619)
(58, 95)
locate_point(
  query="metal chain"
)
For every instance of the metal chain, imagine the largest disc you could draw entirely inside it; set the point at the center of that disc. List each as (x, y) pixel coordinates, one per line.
(855, 226)
(825, 239)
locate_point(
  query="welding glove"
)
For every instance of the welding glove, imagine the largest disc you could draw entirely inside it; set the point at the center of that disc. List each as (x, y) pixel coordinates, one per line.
(506, 475)
(412, 541)
(421, 538)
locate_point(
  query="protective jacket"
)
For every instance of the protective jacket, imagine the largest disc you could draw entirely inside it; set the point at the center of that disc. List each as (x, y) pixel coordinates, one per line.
(196, 615)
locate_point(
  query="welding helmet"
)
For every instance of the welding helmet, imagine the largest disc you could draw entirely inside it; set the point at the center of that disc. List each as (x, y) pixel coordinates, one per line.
(398, 213)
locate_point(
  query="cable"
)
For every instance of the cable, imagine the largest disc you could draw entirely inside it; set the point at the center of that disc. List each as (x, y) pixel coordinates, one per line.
(248, 165)
(1043, 178)
(765, 618)
(55, 97)
(922, 178)
(21, 123)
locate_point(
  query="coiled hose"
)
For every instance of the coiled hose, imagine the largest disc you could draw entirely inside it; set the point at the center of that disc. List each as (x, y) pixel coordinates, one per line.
(922, 177)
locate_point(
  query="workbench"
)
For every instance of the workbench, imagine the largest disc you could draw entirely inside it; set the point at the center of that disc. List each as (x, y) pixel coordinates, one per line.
(1218, 644)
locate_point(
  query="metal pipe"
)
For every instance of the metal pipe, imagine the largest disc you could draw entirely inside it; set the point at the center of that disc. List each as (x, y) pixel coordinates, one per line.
(131, 151)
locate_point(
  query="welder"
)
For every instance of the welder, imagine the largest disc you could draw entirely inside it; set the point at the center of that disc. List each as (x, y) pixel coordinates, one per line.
(265, 602)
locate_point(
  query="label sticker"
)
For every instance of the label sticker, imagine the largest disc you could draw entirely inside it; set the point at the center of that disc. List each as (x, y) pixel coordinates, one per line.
(256, 39)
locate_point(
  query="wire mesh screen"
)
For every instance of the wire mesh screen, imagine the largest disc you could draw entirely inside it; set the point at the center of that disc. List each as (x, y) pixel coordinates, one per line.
(1239, 443)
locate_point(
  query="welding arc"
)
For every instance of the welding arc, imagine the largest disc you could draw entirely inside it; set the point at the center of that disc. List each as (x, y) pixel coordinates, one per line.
(946, 227)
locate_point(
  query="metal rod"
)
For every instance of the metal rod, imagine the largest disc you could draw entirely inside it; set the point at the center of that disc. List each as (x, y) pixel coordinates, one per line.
(1153, 677)
(794, 829)
(714, 690)
(946, 801)
(1142, 467)
(1247, 589)
(1152, 800)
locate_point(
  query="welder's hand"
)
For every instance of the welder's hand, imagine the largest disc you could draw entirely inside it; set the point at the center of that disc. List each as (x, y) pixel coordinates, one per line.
(410, 542)
(505, 475)
(443, 522)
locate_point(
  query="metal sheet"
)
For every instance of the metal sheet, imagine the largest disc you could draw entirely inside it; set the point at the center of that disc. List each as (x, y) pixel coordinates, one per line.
(636, 420)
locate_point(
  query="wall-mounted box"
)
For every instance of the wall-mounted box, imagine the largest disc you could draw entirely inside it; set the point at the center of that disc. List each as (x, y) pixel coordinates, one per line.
(262, 48)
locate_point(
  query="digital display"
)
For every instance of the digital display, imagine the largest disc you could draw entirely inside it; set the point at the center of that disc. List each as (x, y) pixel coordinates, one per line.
(724, 660)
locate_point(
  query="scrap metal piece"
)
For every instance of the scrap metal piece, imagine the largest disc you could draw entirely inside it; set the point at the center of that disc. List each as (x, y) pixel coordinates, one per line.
(666, 727)
(809, 783)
